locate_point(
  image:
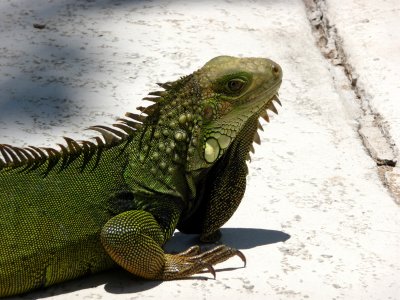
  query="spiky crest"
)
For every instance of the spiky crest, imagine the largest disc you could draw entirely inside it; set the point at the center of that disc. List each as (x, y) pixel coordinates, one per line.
(264, 115)
(30, 158)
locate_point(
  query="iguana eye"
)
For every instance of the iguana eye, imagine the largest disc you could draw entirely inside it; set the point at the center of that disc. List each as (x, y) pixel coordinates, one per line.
(232, 85)
(235, 85)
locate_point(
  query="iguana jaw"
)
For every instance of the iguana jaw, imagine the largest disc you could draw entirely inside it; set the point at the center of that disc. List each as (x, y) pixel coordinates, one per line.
(223, 133)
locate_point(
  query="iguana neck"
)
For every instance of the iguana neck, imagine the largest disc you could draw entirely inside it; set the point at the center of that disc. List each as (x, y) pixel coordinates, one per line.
(161, 147)
(170, 132)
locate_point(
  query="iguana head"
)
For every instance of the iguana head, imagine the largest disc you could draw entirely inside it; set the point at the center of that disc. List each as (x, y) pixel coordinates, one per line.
(196, 118)
(232, 91)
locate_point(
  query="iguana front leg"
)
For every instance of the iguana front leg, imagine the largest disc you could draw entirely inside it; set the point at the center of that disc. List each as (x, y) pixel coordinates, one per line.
(134, 240)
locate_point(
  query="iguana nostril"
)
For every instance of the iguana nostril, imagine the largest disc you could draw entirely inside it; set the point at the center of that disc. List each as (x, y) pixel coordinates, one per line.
(275, 69)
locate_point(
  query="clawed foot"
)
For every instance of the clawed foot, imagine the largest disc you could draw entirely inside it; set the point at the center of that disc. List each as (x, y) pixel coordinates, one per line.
(192, 261)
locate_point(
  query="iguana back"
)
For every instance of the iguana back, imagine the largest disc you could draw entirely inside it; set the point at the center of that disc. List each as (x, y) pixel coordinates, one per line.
(46, 218)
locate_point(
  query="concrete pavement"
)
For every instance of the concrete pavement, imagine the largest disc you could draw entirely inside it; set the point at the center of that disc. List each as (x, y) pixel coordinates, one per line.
(319, 219)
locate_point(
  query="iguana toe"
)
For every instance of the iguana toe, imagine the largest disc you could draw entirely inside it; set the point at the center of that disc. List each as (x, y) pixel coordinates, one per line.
(192, 262)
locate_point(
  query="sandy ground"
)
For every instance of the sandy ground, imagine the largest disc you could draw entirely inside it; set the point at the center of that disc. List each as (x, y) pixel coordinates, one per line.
(318, 220)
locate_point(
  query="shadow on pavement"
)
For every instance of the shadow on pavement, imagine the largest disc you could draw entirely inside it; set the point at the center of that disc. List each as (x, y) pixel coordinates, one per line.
(240, 238)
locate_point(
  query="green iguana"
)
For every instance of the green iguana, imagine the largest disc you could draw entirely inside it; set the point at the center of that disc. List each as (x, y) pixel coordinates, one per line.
(117, 199)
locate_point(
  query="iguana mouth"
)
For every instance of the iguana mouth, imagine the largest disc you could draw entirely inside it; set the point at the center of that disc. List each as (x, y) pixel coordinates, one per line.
(255, 103)
(269, 93)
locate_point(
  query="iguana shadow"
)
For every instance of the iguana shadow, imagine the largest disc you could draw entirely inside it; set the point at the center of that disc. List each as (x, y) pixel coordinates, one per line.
(240, 238)
(118, 281)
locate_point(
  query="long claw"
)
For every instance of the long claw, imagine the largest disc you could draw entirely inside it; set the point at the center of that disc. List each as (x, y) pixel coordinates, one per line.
(191, 262)
(211, 269)
(242, 257)
(194, 250)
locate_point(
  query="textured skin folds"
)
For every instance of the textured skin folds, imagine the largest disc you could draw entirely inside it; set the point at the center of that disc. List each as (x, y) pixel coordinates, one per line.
(116, 200)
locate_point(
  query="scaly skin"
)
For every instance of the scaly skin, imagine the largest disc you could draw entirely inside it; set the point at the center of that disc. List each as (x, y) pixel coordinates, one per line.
(117, 200)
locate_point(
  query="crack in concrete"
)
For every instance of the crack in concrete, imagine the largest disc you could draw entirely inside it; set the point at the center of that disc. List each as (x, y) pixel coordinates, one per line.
(371, 129)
